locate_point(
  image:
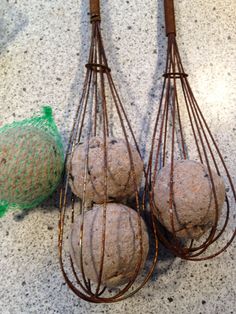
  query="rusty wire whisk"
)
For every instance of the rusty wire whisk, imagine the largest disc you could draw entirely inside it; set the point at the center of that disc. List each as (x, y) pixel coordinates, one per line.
(182, 133)
(100, 107)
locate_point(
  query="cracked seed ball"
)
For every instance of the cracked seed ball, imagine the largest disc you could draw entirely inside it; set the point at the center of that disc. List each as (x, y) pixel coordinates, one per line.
(120, 178)
(31, 164)
(194, 201)
(122, 244)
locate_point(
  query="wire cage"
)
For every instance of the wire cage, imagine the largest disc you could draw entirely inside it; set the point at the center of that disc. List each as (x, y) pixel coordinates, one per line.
(190, 188)
(103, 242)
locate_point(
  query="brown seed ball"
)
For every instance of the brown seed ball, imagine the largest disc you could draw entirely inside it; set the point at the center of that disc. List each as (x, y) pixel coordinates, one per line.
(122, 244)
(31, 164)
(194, 200)
(120, 179)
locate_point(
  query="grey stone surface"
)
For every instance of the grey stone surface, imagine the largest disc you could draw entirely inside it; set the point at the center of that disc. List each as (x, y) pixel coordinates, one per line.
(43, 49)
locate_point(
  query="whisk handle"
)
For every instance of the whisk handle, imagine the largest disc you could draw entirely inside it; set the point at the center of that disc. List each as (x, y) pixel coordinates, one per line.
(169, 17)
(95, 11)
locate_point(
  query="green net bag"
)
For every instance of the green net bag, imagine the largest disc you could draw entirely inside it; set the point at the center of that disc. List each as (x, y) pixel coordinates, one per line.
(31, 161)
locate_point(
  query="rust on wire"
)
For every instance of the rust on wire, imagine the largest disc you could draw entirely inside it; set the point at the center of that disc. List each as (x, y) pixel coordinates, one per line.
(179, 112)
(94, 118)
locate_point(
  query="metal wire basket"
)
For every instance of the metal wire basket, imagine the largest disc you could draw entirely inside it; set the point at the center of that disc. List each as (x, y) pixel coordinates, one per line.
(108, 237)
(187, 173)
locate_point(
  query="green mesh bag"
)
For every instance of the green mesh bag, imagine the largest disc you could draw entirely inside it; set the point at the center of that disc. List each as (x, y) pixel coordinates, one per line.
(31, 161)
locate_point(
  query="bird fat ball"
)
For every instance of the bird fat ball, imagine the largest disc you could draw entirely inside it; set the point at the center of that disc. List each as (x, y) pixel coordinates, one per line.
(194, 208)
(122, 243)
(122, 182)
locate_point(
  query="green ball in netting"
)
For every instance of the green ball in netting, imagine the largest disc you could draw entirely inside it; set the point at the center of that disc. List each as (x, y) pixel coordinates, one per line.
(31, 162)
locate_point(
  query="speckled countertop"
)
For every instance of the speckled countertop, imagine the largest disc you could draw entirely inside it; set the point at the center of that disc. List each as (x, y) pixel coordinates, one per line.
(43, 47)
